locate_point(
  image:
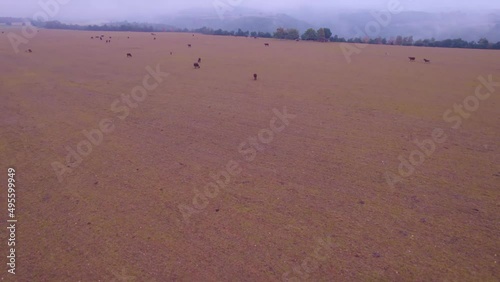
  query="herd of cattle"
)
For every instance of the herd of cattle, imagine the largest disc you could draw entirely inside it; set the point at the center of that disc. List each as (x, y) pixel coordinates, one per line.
(197, 64)
(412, 59)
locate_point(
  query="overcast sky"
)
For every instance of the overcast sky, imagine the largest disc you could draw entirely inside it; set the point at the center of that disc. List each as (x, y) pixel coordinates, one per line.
(130, 8)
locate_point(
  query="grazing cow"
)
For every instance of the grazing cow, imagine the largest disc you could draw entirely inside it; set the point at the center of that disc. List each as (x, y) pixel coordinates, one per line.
(170, 53)
(129, 55)
(196, 65)
(266, 44)
(199, 60)
(100, 38)
(92, 37)
(29, 51)
(154, 38)
(427, 61)
(189, 45)
(110, 37)
(128, 37)
(412, 59)
(254, 76)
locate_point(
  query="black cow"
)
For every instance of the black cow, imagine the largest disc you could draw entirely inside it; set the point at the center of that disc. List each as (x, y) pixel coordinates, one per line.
(266, 44)
(254, 76)
(189, 45)
(427, 61)
(129, 55)
(196, 65)
(199, 60)
(412, 59)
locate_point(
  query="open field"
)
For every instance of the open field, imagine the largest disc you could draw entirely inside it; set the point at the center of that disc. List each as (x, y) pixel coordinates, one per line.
(312, 195)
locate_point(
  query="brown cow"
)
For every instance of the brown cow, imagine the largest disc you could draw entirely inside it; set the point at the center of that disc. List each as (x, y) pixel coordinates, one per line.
(254, 76)
(427, 61)
(196, 65)
(412, 59)
(266, 44)
(129, 55)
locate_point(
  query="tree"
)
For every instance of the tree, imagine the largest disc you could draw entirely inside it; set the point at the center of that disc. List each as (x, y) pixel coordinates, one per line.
(264, 34)
(241, 33)
(483, 43)
(310, 34)
(321, 35)
(292, 34)
(280, 33)
(419, 43)
(328, 33)
(408, 41)
(399, 40)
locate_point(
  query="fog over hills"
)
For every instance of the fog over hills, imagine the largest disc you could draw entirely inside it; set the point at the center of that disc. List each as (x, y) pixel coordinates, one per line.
(442, 19)
(348, 23)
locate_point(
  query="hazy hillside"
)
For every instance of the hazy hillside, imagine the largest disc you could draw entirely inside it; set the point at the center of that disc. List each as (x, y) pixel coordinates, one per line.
(246, 19)
(470, 26)
(440, 25)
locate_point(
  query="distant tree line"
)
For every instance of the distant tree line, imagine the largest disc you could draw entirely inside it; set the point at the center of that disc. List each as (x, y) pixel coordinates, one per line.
(321, 35)
(123, 26)
(482, 43)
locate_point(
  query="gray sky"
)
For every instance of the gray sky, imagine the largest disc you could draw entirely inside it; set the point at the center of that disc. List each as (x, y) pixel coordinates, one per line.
(131, 8)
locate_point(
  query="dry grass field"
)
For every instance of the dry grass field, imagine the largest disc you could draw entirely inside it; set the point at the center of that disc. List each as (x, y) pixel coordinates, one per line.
(308, 197)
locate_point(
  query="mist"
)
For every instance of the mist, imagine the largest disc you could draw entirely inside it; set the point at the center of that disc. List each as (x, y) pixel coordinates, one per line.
(122, 9)
(468, 19)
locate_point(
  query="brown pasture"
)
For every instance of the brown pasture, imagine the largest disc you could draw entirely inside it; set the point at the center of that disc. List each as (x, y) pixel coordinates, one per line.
(116, 214)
